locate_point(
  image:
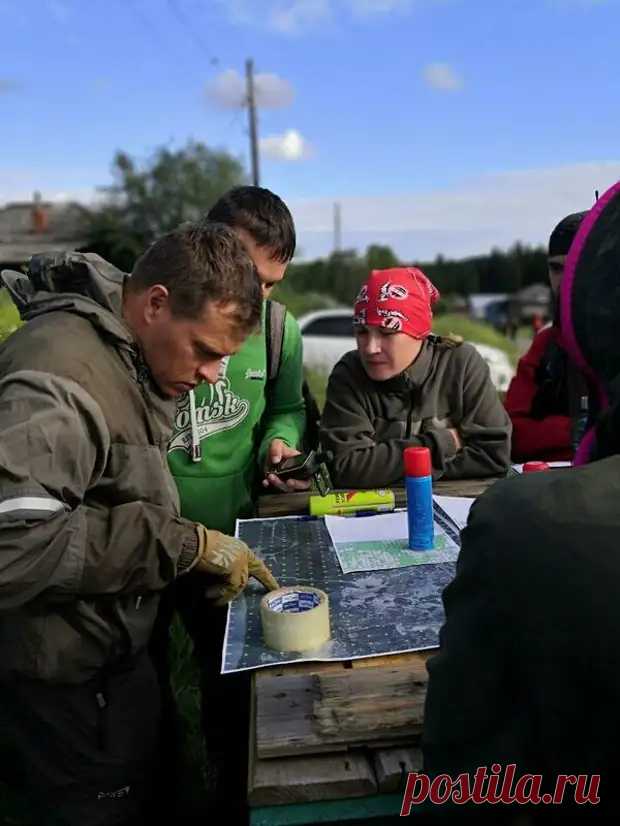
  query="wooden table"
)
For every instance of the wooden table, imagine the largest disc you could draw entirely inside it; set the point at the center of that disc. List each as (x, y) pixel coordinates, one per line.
(287, 504)
(334, 741)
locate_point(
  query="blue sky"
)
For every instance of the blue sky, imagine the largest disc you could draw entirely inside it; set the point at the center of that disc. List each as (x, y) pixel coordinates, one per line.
(440, 125)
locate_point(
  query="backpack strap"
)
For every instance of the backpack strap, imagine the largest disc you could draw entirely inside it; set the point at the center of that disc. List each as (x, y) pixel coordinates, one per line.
(275, 316)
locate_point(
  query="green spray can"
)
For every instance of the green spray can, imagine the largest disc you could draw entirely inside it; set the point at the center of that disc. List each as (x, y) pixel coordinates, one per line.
(350, 502)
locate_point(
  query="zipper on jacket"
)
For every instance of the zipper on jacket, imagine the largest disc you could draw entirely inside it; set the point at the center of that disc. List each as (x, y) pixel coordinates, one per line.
(409, 417)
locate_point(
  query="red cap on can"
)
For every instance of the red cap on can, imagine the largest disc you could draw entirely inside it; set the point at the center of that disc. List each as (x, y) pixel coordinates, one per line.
(534, 467)
(417, 461)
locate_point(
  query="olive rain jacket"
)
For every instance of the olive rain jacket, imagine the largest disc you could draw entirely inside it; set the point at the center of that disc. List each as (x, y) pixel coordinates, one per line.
(89, 516)
(367, 424)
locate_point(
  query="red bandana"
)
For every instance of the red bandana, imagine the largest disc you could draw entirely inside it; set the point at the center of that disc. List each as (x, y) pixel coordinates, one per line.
(399, 299)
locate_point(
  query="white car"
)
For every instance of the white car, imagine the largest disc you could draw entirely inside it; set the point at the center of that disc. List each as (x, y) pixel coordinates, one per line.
(328, 335)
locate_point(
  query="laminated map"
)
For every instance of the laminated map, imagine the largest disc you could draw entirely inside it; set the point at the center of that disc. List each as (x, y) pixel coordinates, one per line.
(371, 612)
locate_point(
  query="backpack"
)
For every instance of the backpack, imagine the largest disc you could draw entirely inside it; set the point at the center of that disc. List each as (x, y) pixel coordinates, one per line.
(275, 319)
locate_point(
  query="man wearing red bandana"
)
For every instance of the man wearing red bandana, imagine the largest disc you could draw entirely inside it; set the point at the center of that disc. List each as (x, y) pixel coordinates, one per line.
(404, 387)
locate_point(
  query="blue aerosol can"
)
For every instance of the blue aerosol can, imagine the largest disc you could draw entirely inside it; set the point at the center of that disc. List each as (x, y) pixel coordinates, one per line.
(419, 485)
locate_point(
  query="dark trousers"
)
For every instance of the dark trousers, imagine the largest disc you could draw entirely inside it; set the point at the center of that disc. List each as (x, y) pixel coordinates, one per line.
(87, 753)
(225, 698)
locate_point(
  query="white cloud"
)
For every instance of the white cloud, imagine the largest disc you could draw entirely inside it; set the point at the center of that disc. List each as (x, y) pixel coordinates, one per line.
(441, 76)
(494, 210)
(272, 91)
(295, 16)
(289, 146)
(228, 90)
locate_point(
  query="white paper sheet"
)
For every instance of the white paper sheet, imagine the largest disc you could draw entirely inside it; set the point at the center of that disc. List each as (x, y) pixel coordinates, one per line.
(378, 543)
(457, 508)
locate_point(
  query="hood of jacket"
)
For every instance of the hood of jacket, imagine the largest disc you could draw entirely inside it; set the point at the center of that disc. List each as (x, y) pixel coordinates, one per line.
(590, 310)
(73, 282)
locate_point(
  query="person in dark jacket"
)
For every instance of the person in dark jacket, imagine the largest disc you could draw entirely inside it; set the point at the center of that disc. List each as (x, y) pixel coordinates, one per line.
(90, 529)
(528, 672)
(405, 387)
(545, 396)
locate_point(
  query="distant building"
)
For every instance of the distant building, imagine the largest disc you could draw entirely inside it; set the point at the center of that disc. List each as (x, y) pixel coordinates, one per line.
(478, 302)
(29, 227)
(534, 300)
(523, 307)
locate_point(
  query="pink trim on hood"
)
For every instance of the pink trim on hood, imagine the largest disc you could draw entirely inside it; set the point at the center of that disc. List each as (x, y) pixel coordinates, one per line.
(568, 336)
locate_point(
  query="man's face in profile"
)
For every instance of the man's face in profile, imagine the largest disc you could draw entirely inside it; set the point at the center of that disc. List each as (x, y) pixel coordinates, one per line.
(182, 352)
(555, 264)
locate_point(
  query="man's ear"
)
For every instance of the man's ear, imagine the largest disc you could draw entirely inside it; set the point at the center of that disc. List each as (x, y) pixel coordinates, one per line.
(157, 301)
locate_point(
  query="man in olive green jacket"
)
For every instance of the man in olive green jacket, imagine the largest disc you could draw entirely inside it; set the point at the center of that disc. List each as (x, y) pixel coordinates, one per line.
(90, 530)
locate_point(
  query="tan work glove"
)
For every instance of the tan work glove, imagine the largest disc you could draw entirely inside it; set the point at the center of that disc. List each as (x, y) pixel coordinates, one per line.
(232, 560)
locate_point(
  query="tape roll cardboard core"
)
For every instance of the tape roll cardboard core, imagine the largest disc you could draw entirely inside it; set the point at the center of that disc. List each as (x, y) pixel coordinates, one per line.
(295, 618)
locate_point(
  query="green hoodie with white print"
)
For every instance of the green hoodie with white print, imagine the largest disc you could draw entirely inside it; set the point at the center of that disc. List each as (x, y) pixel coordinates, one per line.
(222, 431)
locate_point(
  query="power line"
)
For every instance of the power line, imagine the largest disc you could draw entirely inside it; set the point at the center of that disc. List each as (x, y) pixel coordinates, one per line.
(187, 25)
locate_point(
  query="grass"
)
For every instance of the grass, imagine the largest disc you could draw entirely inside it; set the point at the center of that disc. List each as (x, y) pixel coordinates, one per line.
(301, 303)
(476, 332)
(9, 317)
(317, 381)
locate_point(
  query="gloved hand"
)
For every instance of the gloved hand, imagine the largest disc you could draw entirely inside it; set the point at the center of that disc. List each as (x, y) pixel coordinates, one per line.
(232, 560)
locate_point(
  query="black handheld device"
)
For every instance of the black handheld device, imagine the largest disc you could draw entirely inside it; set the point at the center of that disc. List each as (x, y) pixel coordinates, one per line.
(310, 465)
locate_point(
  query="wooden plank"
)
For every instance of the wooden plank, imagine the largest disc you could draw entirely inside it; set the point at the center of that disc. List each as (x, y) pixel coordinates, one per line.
(389, 660)
(327, 711)
(371, 703)
(393, 765)
(302, 779)
(289, 504)
(285, 718)
(463, 487)
(282, 504)
(289, 669)
(317, 667)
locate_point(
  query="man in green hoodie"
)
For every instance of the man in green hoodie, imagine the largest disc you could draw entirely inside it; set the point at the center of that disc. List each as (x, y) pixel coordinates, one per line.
(227, 438)
(228, 434)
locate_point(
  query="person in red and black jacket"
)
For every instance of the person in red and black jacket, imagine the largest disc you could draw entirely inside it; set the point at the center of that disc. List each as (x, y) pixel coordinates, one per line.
(544, 397)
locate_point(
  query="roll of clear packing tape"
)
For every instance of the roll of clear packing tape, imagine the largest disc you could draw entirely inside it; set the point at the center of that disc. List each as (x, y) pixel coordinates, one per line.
(295, 618)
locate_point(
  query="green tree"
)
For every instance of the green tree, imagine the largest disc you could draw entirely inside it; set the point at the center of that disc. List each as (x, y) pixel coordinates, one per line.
(146, 201)
(379, 257)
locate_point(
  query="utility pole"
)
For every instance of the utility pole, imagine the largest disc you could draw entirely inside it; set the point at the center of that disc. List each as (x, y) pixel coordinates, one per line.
(337, 228)
(251, 103)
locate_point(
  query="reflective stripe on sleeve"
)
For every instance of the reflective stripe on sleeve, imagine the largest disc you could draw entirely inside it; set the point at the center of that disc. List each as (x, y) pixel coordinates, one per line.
(29, 507)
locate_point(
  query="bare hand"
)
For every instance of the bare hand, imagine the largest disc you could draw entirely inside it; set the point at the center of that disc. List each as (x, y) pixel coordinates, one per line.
(457, 437)
(279, 450)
